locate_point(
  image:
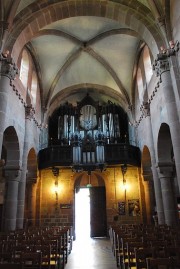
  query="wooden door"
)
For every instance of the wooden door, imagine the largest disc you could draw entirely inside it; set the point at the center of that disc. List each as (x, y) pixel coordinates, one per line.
(98, 223)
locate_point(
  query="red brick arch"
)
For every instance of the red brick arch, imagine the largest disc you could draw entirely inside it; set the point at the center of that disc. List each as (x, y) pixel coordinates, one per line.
(39, 14)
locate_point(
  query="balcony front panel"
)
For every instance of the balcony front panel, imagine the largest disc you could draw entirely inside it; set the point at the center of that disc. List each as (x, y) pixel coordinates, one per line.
(122, 154)
(55, 156)
(114, 154)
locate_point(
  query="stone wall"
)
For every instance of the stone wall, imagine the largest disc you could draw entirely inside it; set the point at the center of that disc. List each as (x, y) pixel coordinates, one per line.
(51, 209)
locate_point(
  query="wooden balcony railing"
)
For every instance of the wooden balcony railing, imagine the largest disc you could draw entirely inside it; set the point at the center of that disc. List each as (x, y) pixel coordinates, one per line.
(114, 154)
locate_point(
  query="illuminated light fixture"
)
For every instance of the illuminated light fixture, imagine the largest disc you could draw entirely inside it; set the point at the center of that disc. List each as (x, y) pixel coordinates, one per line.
(55, 171)
(89, 185)
(124, 170)
(124, 185)
(56, 188)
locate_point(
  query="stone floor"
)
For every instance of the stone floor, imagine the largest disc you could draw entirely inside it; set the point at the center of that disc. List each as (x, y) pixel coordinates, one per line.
(89, 253)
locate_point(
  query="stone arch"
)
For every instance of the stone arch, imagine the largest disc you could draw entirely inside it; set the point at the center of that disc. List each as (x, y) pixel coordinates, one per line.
(148, 194)
(82, 89)
(11, 176)
(166, 173)
(136, 17)
(11, 147)
(164, 144)
(83, 180)
(146, 163)
(31, 188)
(32, 165)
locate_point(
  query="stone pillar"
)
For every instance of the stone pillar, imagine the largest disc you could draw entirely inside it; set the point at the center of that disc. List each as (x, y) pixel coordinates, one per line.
(29, 112)
(8, 71)
(31, 188)
(157, 185)
(165, 171)
(12, 176)
(162, 68)
(21, 199)
(148, 191)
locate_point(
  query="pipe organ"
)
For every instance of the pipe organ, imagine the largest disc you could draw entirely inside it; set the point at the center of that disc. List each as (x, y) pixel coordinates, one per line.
(87, 128)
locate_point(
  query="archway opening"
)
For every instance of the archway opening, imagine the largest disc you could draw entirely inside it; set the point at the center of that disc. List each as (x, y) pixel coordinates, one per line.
(90, 215)
(82, 213)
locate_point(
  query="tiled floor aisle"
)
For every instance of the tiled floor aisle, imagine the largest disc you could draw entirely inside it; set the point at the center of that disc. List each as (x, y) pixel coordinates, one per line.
(91, 254)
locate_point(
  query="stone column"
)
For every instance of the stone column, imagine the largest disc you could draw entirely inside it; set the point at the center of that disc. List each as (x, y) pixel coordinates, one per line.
(29, 112)
(162, 68)
(31, 186)
(12, 176)
(21, 198)
(148, 191)
(165, 174)
(157, 185)
(8, 71)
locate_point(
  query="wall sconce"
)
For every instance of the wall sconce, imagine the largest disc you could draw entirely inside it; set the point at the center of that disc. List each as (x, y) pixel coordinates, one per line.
(55, 171)
(56, 192)
(56, 187)
(124, 185)
(89, 185)
(124, 170)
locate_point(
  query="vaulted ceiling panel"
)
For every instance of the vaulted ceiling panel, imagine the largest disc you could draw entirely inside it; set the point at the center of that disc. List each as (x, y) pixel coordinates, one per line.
(85, 69)
(52, 52)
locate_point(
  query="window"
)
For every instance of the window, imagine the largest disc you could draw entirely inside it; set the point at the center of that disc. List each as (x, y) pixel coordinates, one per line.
(28, 76)
(24, 69)
(34, 87)
(147, 65)
(140, 85)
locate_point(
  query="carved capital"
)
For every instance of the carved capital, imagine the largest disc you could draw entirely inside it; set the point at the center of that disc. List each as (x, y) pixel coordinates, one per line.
(12, 173)
(29, 112)
(161, 65)
(146, 109)
(7, 66)
(31, 181)
(165, 168)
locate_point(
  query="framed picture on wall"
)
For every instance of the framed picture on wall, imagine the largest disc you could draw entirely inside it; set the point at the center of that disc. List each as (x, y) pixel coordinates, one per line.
(134, 207)
(121, 208)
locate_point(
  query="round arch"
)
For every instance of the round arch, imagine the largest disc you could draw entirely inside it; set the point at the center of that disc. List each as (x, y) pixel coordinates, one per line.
(146, 162)
(164, 144)
(82, 180)
(136, 17)
(11, 147)
(32, 165)
(30, 194)
(149, 193)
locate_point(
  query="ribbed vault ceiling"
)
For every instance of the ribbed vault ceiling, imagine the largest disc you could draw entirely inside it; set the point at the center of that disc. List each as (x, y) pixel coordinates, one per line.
(81, 54)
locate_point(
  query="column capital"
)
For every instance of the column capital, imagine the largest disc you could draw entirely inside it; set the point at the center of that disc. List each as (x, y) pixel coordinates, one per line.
(12, 173)
(165, 168)
(146, 109)
(31, 181)
(162, 63)
(29, 112)
(7, 66)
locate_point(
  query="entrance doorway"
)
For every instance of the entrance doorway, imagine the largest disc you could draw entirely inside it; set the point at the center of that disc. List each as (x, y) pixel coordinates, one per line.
(90, 212)
(82, 213)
